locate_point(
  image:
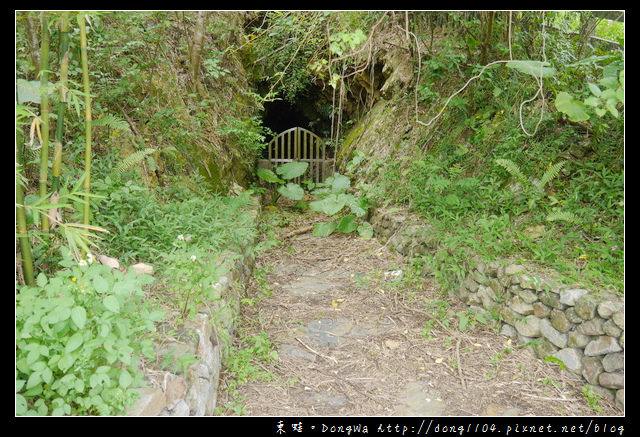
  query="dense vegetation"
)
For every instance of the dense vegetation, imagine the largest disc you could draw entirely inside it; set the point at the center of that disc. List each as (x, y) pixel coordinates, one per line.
(133, 129)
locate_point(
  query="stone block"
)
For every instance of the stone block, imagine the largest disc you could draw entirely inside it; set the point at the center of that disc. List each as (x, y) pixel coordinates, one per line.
(585, 307)
(529, 326)
(591, 369)
(601, 346)
(559, 321)
(572, 359)
(613, 362)
(553, 335)
(613, 380)
(606, 309)
(569, 296)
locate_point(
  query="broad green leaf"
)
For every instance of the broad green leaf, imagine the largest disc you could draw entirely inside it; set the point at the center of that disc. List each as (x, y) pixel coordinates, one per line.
(267, 175)
(359, 206)
(324, 229)
(100, 284)
(124, 287)
(609, 82)
(567, 104)
(79, 316)
(34, 379)
(347, 224)
(592, 101)
(330, 205)
(46, 375)
(41, 280)
(125, 379)
(98, 379)
(112, 304)
(291, 191)
(292, 170)
(612, 110)
(21, 405)
(594, 89)
(339, 183)
(533, 68)
(74, 343)
(66, 362)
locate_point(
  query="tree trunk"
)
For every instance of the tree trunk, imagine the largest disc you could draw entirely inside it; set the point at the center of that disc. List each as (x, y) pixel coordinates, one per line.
(486, 23)
(196, 50)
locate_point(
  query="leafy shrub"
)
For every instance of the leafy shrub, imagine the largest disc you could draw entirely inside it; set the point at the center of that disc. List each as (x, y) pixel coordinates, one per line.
(332, 198)
(285, 172)
(79, 336)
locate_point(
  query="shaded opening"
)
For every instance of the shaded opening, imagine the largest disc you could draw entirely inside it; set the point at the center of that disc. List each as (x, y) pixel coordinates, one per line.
(311, 111)
(282, 115)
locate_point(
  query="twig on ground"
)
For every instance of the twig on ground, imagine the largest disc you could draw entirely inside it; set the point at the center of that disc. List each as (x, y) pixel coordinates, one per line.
(298, 232)
(464, 384)
(326, 357)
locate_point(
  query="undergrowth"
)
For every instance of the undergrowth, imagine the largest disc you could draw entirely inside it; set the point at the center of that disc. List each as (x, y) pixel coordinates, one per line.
(488, 190)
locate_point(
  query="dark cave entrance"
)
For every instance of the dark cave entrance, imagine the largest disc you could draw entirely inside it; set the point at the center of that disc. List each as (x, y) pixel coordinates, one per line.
(311, 111)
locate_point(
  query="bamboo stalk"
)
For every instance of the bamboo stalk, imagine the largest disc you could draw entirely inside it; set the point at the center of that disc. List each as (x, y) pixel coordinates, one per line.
(87, 117)
(23, 232)
(60, 109)
(44, 115)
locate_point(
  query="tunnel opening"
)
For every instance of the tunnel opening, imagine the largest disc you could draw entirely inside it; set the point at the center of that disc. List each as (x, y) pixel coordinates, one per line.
(311, 111)
(300, 131)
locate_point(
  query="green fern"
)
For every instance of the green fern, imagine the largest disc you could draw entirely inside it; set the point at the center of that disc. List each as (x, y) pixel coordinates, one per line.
(564, 216)
(133, 159)
(112, 122)
(551, 173)
(513, 169)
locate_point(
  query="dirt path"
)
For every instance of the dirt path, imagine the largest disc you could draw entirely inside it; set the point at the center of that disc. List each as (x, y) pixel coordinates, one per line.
(355, 337)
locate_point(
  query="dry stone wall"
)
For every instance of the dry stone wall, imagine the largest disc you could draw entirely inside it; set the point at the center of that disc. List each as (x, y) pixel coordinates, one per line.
(581, 329)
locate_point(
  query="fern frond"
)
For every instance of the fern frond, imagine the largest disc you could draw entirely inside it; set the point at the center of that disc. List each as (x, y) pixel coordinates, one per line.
(551, 173)
(112, 122)
(565, 216)
(133, 159)
(513, 169)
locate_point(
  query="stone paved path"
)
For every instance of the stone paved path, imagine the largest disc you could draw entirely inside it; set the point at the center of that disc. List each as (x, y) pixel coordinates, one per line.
(355, 337)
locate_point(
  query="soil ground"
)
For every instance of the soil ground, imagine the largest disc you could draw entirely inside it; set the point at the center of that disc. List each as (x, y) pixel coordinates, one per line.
(355, 337)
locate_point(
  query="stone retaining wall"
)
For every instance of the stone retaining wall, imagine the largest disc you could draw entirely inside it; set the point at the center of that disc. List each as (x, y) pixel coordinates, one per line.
(583, 329)
(208, 336)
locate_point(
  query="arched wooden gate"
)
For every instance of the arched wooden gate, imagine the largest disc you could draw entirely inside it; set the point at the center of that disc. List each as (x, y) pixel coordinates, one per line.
(299, 144)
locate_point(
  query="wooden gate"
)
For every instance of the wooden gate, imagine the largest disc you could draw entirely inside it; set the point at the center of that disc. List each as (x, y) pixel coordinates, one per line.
(299, 144)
